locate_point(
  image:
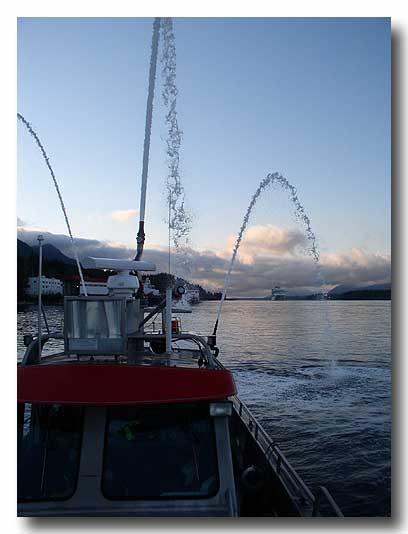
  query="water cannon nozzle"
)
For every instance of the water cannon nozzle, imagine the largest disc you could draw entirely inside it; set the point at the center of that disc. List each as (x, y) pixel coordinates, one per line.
(179, 291)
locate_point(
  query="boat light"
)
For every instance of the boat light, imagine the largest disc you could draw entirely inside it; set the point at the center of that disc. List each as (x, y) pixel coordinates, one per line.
(179, 291)
(220, 409)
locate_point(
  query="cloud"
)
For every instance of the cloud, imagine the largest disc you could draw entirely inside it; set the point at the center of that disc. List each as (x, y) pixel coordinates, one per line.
(252, 275)
(86, 247)
(123, 215)
(356, 267)
(268, 240)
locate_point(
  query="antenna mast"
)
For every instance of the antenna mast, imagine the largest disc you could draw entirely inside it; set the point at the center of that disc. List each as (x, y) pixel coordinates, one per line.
(40, 239)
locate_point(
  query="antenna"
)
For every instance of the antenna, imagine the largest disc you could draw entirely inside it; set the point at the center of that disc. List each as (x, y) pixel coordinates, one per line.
(40, 239)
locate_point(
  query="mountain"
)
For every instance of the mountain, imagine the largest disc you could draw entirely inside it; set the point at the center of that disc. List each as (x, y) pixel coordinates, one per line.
(51, 253)
(55, 265)
(377, 287)
(342, 288)
(363, 292)
(23, 249)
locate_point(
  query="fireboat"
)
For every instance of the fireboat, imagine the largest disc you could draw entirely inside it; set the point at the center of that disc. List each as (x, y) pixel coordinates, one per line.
(133, 420)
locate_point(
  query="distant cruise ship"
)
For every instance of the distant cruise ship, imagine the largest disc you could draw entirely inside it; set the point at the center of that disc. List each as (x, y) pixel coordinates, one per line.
(278, 293)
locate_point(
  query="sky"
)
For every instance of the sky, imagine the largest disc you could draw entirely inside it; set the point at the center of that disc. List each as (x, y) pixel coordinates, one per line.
(309, 98)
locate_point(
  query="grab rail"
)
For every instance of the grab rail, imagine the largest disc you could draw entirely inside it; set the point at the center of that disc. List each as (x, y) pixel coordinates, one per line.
(308, 504)
(33, 352)
(323, 491)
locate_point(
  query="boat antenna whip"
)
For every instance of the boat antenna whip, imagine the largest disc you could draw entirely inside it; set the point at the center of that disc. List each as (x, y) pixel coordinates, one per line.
(40, 240)
(148, 129)
(47, 161)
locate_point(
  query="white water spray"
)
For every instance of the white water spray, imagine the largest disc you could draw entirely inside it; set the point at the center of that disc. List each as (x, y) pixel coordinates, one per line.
(179, 220)
(148, 132)
(300, 214)
(47, 161)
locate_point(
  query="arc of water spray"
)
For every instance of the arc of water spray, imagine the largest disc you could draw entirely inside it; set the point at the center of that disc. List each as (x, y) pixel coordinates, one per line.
(299, 212)
(148, 131)
(47, 161)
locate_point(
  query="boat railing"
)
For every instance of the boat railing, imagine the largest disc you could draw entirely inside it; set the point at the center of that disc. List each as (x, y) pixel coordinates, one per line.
(197, 340)
(308, 504)
(180, 355)
(32, 355)
(322, 491)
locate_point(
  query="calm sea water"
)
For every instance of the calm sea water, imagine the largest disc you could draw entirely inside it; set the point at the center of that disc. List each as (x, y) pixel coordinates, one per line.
(318, 377)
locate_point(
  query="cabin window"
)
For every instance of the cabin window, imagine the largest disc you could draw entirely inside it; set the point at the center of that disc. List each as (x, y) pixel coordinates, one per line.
(160, 452)
(49, 445)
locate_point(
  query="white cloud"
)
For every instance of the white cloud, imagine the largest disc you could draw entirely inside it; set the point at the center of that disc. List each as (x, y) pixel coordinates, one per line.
(123, 215)
(267, 240)
(357, 266)
(252, 276)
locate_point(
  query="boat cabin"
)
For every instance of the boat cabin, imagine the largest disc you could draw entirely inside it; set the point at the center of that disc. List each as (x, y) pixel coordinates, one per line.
(126, 421)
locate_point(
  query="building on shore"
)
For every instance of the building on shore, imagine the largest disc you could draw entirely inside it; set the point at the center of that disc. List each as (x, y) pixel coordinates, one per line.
(192, 296)
(49, 286)
(94, 286)
(150, 290)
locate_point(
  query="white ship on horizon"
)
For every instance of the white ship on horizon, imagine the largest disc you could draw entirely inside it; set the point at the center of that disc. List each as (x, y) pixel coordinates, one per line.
(278, 293)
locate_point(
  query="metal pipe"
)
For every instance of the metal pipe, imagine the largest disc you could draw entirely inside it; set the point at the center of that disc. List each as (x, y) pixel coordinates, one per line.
(148, 129)
(322, 490)
(149, 337)
(169, 302)
(40, 240)
(45, 321)
(157, 309)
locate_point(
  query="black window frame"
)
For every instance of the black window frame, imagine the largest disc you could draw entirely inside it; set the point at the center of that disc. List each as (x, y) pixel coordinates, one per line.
(191, 497)
(76, 479)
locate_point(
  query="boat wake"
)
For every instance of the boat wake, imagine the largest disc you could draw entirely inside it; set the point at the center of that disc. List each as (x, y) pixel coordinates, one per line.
(291, 388)
(337, 416)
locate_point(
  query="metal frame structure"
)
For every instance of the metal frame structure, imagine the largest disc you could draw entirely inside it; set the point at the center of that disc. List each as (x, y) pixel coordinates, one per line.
(104, 298)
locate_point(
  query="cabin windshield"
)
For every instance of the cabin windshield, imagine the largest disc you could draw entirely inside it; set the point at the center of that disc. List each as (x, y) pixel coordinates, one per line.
(157, 452)
(49, 443)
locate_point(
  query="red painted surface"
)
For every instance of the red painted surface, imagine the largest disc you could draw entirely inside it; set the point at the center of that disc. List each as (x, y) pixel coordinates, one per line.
(109, 384)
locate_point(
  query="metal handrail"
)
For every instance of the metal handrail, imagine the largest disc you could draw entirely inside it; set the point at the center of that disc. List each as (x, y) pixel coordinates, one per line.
(291, 480)
(182, 337)
(323, 491)
(33, 352)
(288, 476)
